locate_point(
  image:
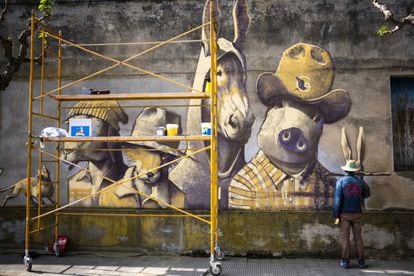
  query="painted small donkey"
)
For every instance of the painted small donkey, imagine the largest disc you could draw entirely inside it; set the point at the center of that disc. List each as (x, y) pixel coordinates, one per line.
(47, 188)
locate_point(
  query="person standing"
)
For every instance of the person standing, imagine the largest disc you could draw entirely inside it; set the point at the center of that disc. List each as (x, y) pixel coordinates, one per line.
(350, 193)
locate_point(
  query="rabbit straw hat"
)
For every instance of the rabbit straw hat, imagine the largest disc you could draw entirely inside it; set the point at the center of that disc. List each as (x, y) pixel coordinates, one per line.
(305, 74)
(351, 166)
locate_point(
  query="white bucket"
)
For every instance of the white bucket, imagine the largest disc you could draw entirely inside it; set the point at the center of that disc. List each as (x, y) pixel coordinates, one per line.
(160, 131)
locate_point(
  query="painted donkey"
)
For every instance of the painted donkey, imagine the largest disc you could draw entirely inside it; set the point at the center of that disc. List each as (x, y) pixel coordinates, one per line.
(235, 118)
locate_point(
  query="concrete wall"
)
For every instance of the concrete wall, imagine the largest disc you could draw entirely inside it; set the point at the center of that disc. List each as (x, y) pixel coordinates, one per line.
(387, 235)
(346, 29)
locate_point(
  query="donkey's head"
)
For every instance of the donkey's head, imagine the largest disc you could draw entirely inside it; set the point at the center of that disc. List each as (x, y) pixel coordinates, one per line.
(235, 118)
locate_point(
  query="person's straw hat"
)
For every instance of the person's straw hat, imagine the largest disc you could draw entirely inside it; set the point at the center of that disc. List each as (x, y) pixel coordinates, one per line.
(305, 74)
(109, 111)
(146, 124)
(351, 166)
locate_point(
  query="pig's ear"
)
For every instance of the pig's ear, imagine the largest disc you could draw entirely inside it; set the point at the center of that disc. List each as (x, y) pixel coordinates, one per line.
(346, 150)
(360, 146)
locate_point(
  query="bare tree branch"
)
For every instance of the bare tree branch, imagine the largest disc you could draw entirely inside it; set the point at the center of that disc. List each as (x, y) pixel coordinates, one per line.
(12, 66)
(389, 17)
(409, 19)
(4, 11)
(14, 62)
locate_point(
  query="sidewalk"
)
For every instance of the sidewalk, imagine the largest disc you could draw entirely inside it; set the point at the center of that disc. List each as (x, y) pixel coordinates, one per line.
(126, 264)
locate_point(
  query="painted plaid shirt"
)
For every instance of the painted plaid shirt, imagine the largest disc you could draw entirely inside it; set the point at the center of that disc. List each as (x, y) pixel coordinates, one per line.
(260, 185)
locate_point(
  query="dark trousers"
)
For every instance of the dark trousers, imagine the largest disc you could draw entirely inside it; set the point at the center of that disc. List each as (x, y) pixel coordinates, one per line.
(351, 221)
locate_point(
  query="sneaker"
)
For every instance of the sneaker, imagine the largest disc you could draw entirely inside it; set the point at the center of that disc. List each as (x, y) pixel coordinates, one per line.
(361, 263)
(344, 264)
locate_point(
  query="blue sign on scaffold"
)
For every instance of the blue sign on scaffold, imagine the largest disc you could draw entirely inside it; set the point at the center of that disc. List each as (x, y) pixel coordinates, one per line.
(80, 127)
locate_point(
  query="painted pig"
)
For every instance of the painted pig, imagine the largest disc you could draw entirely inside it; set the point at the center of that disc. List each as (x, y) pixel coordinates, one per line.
(285, 173)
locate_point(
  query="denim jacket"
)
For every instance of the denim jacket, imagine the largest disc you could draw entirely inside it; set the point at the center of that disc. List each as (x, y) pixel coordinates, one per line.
(350, 192)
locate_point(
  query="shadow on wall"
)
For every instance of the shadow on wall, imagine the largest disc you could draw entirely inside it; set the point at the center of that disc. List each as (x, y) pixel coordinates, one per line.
(396, 193)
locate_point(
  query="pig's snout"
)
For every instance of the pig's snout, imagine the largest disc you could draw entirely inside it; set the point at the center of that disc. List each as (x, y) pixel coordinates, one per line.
(292, 139)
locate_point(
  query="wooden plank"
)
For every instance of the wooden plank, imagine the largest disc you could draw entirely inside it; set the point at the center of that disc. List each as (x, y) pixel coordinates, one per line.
(132, 96)
(129, 138)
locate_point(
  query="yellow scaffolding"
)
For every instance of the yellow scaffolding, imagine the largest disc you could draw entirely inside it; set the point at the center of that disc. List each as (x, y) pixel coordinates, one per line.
(56, 94)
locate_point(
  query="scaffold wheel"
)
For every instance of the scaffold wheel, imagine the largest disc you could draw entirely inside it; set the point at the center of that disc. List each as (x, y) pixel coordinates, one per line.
(218, 253)
(216, 269)
(27, 263)
(56, 249)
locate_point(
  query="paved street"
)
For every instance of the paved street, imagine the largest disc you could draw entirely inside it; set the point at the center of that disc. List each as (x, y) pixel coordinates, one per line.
(127, 264)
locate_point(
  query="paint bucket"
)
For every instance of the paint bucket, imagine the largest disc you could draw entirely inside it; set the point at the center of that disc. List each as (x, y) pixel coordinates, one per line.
(59, 246)
(160, 131)
(208, 87)
(206, 129)
(172, 129)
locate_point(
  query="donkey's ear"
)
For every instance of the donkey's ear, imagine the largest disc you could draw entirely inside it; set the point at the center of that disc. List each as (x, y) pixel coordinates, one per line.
(205, 32)
(346, 150)
(360, 145)
(241, 22)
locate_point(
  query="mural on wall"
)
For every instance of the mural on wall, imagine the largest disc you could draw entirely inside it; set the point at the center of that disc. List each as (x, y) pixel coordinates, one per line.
(145, 155)
(101, 164)
(47, 189)
(186, 184)
(235, 118)
(285, 173)
(106, 163)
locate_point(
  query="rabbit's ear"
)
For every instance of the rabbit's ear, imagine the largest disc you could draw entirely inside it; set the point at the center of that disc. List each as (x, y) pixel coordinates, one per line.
(360, 145)
(346, 150)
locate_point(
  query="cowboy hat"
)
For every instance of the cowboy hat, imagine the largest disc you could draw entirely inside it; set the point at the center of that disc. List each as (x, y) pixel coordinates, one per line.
(146, 124)
(351, 166)
(305, 74)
